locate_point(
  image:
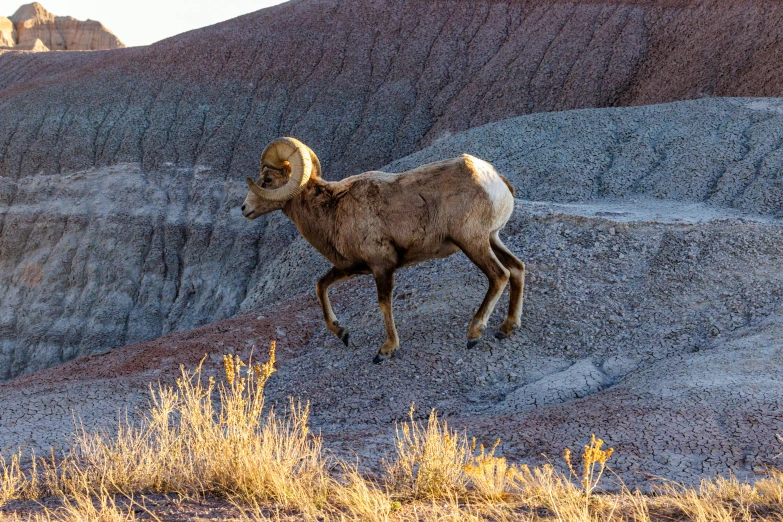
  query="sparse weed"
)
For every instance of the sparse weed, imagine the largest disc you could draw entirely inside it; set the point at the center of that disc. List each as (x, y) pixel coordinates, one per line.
(430, 461)
(713, 501)
(185, 445)
(593, 465)
(361, 499)
(491, 476)
(770, 489)
(87, 506)
(13, 479)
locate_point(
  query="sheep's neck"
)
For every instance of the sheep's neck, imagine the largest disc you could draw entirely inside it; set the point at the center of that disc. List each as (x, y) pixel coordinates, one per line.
(312, 211)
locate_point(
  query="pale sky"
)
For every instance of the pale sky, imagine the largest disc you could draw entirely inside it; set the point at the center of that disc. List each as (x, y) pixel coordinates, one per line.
(142, 22)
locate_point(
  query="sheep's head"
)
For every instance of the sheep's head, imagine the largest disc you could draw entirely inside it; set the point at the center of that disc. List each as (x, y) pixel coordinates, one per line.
(286, 166)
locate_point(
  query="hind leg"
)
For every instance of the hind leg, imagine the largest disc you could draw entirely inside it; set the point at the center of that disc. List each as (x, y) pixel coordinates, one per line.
(517, 283)
(482, 255)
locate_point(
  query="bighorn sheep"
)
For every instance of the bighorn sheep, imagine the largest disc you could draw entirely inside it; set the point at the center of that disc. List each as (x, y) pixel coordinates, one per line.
(376, 222)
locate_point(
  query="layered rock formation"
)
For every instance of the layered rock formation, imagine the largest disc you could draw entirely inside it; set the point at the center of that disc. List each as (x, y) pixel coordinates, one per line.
(7, 32)
(177, 125)
(35, 28)
(115, 255)
(653, 304)
(374, 81)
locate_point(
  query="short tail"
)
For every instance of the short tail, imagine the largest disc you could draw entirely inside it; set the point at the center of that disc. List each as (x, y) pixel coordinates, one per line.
(508, 184)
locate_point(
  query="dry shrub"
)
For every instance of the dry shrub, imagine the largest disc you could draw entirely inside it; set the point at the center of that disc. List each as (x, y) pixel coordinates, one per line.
(14, 481)
(719, 500)
(593, 465)
(361, 499)
(18, 484)
(84, 506)
(433, 462)
(770, 489)
(201, 437)
(89, 507)
(429, 461)
(184, 444)
(545, 486)
(454, 510)
(491, 477)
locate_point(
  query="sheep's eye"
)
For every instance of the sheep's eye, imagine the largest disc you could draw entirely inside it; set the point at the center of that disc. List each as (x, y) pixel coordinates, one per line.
(267, 181)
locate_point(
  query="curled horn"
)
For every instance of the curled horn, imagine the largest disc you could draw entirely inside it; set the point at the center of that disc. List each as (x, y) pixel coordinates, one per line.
(301, 160)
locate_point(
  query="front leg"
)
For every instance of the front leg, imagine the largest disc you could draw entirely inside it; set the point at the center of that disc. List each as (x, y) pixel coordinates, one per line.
(335, 275)
(384, 281)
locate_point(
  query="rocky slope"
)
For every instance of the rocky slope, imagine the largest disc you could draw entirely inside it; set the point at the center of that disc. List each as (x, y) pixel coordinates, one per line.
(373, 81)
(32, 27)
(654, 324)
(116, 255)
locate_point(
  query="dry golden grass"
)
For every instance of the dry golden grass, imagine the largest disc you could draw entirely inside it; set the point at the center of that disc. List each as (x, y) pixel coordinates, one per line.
(770, 489)
(357, 498)
(13, 479)
(202, 438)
(85, 506)
(239, 450)
(430, 460)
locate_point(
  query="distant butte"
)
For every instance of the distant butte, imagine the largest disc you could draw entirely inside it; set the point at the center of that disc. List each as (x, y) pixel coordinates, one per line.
(33, 28)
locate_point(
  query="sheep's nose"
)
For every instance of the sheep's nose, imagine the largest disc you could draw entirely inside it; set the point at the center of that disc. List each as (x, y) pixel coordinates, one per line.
(243, 208)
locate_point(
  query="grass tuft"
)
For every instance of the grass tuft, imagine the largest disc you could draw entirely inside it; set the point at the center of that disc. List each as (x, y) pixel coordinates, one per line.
(430, 460)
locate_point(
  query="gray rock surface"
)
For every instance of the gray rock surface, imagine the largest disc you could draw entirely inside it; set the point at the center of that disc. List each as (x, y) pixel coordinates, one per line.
(93, 260)
(726, 152)
(578, 380)
(115, 255)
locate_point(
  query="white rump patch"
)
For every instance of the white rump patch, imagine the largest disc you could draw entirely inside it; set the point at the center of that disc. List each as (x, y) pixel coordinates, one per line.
(497, 190)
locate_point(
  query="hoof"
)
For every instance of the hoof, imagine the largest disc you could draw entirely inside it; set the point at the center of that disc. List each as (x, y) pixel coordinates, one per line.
(506, 329)
(378, 359)
(472, 343)
(342, 334)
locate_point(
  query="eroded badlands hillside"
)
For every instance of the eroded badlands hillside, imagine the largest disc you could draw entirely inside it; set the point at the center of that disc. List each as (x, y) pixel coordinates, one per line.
(115, 255)
(369, 82)
(653, 315)
(119, 169)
